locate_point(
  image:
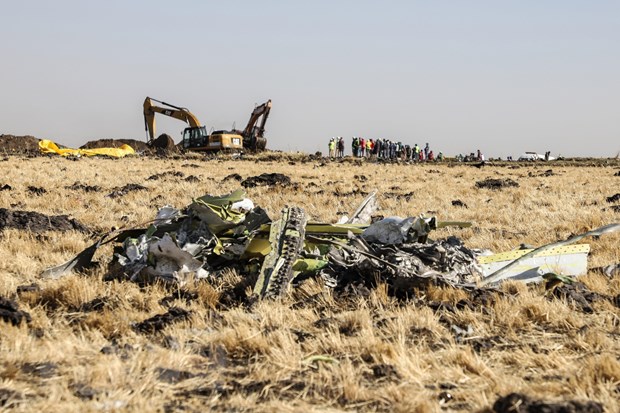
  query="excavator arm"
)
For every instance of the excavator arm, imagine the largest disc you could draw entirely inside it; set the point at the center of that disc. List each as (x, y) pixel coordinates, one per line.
(254, 131)
(176, 112)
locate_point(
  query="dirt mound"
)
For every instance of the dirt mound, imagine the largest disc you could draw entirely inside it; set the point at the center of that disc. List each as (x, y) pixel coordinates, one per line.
(124, 190)
(271, 179)
(164, 144)
(137, 146)
(495, 184)
(36, 222)
(12, 144)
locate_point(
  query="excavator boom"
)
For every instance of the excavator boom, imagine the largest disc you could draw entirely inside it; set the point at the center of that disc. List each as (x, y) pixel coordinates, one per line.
(176, 112)
(253, 134)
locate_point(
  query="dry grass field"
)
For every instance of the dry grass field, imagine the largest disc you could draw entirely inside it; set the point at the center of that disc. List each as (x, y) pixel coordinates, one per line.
(314, 350)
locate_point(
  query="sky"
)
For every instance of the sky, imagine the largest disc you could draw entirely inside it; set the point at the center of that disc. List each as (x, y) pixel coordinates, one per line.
(504, 77)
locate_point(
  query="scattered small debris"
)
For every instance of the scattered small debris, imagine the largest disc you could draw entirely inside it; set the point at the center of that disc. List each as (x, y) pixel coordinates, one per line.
(6, 187)
(361, 178)
(35, 190)
(122, 191)
(406, 196)
(10, 312)
(611, 270)
(617, 173)
(78, 186)
(192, 179)
(161, 321)
(495, 184)
(445, 397)
(459, 203)
(36, 222)
(266, 179)
(520, 403)
(338, 192)
(190, 165)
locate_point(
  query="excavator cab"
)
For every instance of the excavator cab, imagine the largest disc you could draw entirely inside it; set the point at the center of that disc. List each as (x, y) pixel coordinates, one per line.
(196, 137)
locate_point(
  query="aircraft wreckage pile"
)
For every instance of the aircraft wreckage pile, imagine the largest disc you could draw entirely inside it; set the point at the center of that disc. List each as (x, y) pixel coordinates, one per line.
(219, 233)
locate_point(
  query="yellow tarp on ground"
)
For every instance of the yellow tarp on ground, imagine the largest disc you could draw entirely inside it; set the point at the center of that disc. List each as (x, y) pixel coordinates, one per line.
(47, 146)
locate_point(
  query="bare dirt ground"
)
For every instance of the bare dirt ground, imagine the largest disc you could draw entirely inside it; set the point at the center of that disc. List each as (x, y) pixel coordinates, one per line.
(85, 344)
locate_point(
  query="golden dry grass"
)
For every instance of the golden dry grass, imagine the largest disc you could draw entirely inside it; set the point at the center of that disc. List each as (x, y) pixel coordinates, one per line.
(373, 354)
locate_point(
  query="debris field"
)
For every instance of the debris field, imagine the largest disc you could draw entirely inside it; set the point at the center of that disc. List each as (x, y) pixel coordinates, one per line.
(179, 302)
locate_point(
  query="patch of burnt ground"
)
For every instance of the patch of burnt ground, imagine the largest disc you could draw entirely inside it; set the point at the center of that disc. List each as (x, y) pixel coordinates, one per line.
(160, 321)
(78, 186)
(496, 184)
(266, 179)
(520, 403)
(177, 174)
(232, 177)
(613, 198)
(579, 295)
(37, 222)
(10, 312)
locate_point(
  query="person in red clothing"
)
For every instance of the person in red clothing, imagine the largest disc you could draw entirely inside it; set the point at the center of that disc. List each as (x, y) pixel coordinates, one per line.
(431, 156)
(362, 147)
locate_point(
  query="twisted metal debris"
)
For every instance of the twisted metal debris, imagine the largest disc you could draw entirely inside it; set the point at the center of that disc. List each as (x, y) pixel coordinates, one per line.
(214, 233)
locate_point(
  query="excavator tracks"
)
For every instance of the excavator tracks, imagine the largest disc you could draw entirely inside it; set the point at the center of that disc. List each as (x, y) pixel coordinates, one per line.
(287, 240)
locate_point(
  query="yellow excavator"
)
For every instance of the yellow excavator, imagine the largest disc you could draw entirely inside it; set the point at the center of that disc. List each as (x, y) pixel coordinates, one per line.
(195, 137)
(253, 135)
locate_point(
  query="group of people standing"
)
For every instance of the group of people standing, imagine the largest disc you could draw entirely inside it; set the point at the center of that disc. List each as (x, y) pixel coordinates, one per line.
(382, 149)
(472, 157)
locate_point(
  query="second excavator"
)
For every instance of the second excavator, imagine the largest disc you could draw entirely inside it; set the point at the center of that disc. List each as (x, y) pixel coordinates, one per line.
(196, 137)
(253, 135)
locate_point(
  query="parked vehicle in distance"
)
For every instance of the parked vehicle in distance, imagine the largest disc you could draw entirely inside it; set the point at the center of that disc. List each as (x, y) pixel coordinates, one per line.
(533, 156)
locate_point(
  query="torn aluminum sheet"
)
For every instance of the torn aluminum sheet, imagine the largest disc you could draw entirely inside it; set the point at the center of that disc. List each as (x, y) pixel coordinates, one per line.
(149, 258)
(567, 260)
(396, 230)
(504, 272)
(364, 211)
(446, 262)
(389, 231)
(165, 215)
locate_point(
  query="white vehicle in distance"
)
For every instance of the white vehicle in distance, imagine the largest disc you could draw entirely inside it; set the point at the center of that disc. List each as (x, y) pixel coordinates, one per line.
(533, 156)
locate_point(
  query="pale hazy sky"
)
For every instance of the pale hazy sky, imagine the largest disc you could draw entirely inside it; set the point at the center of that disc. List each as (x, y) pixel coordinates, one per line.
(502, 76)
